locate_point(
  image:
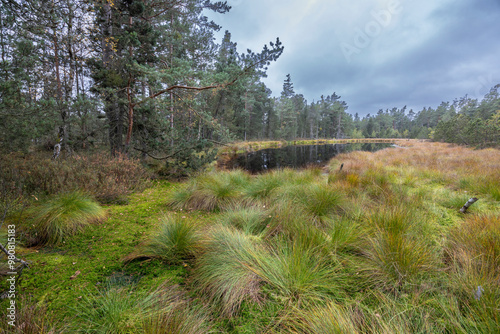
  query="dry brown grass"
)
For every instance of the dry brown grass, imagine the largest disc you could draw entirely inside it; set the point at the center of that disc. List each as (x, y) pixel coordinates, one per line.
(440, 156)
(465, 169)
(478, 237)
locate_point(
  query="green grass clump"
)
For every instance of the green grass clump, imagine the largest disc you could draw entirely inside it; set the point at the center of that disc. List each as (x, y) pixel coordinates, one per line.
(251, 220)
(489, 185)
(224, 272)
(210, 192)
(264, 186)
(178, 240)
(329, 319)
(319, 200)
(345, 235)
(398, 252)
(62, 216)
(299, 273)
(123, 309)
(453, 200)
(174, 313)
(112, 311)
(180, 198)
(286, 218)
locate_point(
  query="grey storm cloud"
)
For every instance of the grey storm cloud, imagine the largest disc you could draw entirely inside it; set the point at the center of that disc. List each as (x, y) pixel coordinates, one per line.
(376, 54)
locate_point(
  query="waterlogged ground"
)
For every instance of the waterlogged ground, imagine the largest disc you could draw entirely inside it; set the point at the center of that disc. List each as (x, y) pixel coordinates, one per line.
(378, 247)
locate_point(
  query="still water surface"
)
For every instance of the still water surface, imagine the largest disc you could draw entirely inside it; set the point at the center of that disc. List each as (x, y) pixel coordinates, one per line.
(296, 156)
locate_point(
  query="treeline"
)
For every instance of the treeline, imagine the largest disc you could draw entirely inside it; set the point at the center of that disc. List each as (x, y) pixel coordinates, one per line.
(466, 121)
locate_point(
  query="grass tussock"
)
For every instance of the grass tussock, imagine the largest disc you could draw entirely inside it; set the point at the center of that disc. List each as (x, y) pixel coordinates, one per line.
(122, 309)
(479, 236)
(473, 255)
(224, 272)
(398, 252)
(265, 186)
(286, 218)
(318, 200)
(345, 235)
(299, 273)
(210, 192)
(329, 319)
(62, 216)
(177, 241)
(251, 220)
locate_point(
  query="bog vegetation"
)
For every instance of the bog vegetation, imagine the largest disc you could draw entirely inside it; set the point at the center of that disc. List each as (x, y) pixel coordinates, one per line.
(378, 246)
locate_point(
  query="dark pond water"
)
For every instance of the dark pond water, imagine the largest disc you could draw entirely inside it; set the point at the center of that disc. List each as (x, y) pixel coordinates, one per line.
(296, 156)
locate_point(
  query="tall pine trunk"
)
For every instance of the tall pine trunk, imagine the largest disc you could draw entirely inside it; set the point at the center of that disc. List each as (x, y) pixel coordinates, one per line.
(114, 110)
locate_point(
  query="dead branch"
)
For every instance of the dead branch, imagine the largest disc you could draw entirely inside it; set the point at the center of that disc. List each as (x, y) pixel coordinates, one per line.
(158, 158)
(468, 203)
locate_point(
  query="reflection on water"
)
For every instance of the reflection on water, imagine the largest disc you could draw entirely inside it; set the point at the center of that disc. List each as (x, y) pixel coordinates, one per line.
(295, 156)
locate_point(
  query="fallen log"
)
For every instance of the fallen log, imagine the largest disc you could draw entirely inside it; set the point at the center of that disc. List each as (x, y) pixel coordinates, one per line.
(468, 203)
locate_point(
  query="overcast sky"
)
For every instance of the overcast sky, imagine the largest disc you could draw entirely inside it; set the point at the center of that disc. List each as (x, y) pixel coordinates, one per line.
(375, 54)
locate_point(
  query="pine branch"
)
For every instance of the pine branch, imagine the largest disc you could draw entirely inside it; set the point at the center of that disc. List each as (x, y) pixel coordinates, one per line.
(162, 158)
(163, 91)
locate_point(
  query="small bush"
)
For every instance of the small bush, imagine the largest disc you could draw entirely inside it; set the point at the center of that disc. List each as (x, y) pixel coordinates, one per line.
(109, 180)
(62, 216)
